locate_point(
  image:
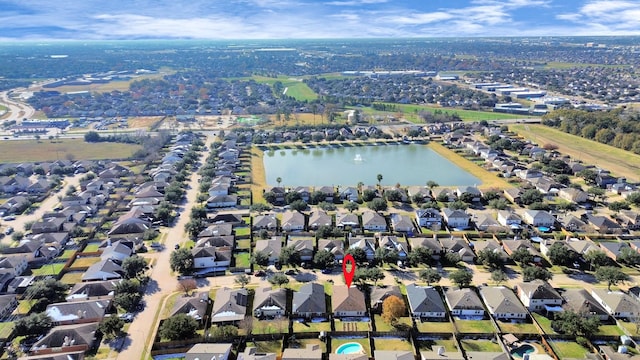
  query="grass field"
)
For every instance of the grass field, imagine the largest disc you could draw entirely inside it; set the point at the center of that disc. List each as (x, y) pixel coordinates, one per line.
(489, 180)
(311, 327)
(544, 323)
(110, 86)
(434, 327)
(92, 247)
(411, 113)
(517, 328)
(475, 326)
(392, 344)
(258, 175)
(242, 260)
(618, 161)
(480, 345)
(84, 262)
(45, 270)
(32, 151)
(568, 350)
(295, 87)
(5, 329)
(72, 278)
(567, 65)
(143, 121)
(449, 345)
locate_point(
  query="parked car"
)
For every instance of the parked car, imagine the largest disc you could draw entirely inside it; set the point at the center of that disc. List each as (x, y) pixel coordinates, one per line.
(327, 271)
(290, 272)
(259, 273)
(9, 218)
(127, 317)
(8, 230)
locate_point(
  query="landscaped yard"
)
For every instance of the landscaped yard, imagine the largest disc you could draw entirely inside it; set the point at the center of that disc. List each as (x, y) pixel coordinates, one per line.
(566, 350)
(382, 325)
(273, 346)
(434, 327)
(92, 247)
(392, 344)
(311, 326)
(335, 342)
(67, 254)
(611, 330)
(243, 244)
(427, 345)
(302, 344)
(72, 278)
(84, 262)
(352, 325)
(544, 323)
(5, 329)
(50, 269)
(631, 327)
(480, 345)
(475, 326)
(243, 260)
(277, 326)
(506, 327)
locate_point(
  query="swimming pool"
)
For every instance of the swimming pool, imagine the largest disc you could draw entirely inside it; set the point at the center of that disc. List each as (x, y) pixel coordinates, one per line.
(350, 348)
(522, 349)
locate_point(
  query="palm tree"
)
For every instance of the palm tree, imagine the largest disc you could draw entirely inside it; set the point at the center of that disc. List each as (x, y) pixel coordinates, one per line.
(379, 177)
(278, 180)
(360, 185)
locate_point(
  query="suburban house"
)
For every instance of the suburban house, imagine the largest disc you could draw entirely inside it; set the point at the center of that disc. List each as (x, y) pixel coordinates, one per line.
(94, 290)
(513, 195)
(266, 221)
(509, 219)
(425, 302)
(572, 223)
(336, 247)
(538, 218)
(380, 294)
(309, 302)
(457, 219)
(440, 352)
(103, 270)
(460, 247)
(503, 304)
(401, 223)
(292, 221)
(348, 302)
(442, 193)
(393, 243)
(464, 303)
(208, 351)
(581, 301)
(617, 303)
(393, 355)
(116, 251)
(486, 222)
(489, 245)
(629, 219)
(311, 352)
(269, 303)
(429, 218)
(349, 193)
(319, 218)
(613, 248)
(366, 244)
(511, 246)
(271, 247)
(431, 243)
(15, 205)
(14, 264)
(229, 306)
(604, 224)
(67, 313)
(194, 306)
(222, 201)
(304, 191)
(347, 220)
(573, 195)
(67, 339)
(8, 303)
(477, 195)
(218, 258)
(328, 191)
(223, 229)
(539, 295)
(304, 247)
(373, 221)
(582, 246)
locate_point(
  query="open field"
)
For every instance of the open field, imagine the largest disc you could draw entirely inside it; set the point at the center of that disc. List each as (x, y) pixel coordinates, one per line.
(122, 85)
(618, 161)
(258, 175)
(567, 65)
(488, 179)
(568, 350)
(295, 87)
(31, 151)
(143, 121)
(411, 113)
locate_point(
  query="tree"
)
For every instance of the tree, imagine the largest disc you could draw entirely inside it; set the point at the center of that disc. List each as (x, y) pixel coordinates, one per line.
(498, 204)
(351, 206)
(223, 332)
(368, 195)
(629, 256)
(489, 258)
(187, 285)
(385, 255)
(611, 275)
(617, 206)
(379, 177)
(324, 259)
(467, 197)
(431, 184)
(452, 258)
(522, 256)
(259, 208)
(596, 258)
(111, 326)
(127, 301)
(46, 291)
(178, 327)
(559, 254)
(133, 266)
(572, 323)
(530, 273)
(260, 258)
(377, 204)
(458, 205)
(181, 260)
(588, 175)
(298, 205)
(91, 136)
(33, 325)
(289, 256)
(596, 192)
(375, 275)
(531, 196)
(327, 206)
(359, 255)
(278, 180)
(498, 276)
(279, 279)
(634, 198)
(461, 277)
(430, 276)
(242, 280)
(392, 309)
(420, 255)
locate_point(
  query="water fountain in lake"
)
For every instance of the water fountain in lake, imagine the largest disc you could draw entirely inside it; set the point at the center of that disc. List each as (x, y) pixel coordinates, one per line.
(358, 158)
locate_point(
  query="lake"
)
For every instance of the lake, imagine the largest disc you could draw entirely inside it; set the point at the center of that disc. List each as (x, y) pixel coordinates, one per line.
(412, 164)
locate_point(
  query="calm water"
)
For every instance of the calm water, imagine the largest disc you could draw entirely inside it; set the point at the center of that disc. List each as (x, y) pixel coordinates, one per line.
(405, 164)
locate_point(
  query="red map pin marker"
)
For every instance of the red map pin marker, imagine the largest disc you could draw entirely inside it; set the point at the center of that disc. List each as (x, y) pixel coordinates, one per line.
(348, 275)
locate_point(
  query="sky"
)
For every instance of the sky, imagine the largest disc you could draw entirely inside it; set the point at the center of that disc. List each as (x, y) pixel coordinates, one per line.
(314, 19)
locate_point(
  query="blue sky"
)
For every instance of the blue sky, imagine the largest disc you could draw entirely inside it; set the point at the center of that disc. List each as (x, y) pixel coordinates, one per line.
(299, 19)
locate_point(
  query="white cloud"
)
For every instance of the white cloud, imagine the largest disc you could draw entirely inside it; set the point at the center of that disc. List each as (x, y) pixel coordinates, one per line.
(356, 2)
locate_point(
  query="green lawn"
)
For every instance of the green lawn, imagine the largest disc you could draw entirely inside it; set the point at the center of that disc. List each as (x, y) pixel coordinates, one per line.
(5, 329)
(392, 344)
(67, 254)
(44, 270)
(475, 326)
(273, 346)
(434, 327)
(277, 326)
(480, 345)
(24, 306)
(382, 325)
(311, 327)
(610, 330)
(92, 247)
(465, 115)
(426, 345)
(517, 328)
(566, 350)
(335, 342)
(243, 244)
(243, 231)
(34, 151)
(243, 260)
(352, 325)
(295, 87)
(72, 278)
(631, 327)
(544, 323)
(84, 262)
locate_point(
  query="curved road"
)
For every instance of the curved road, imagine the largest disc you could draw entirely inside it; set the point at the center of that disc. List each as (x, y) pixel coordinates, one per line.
(16, 110)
